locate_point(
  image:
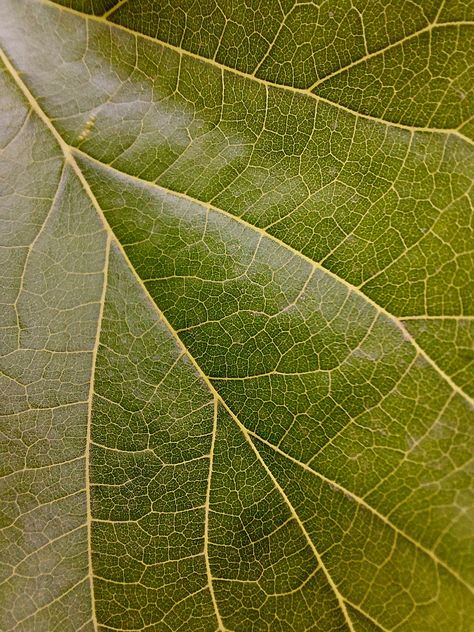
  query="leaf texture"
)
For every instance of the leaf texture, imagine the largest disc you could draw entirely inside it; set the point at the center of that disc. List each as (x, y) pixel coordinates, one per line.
(237, 316)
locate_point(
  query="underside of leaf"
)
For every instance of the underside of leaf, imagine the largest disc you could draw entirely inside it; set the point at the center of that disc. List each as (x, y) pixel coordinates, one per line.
(237, 316)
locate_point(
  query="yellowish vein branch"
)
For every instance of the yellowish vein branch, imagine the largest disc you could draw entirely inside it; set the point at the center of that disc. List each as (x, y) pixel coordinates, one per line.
(117, 6)
(381, 51)
(31, 248)
(362, 503)
(206, 517)
(89, 430)
(329, 579)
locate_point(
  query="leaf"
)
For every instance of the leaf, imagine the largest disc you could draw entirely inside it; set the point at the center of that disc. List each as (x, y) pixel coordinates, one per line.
(237, 316)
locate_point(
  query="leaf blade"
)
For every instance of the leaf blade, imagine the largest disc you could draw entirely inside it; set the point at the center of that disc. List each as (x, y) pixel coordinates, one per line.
(267, 262)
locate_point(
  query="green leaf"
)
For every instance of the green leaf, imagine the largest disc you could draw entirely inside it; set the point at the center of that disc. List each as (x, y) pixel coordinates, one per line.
(237, 316)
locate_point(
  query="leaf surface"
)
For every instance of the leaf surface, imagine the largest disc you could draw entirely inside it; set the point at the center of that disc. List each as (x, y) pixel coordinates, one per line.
(237, 316)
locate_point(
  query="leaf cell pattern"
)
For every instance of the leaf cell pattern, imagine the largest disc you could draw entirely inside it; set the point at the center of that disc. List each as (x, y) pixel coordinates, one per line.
(237, 316)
